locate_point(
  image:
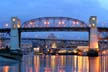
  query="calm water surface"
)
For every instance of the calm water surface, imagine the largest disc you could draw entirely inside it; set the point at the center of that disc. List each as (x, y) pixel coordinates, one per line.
(42, 63)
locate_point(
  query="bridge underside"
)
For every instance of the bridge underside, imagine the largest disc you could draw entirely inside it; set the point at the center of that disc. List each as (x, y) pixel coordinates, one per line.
(43, 29)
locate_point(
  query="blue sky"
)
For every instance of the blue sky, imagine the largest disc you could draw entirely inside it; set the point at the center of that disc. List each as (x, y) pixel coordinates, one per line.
(29, 9)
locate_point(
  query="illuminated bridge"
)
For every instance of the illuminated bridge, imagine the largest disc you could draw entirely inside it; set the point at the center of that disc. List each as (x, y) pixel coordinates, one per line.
(53, 24)
(45, 24)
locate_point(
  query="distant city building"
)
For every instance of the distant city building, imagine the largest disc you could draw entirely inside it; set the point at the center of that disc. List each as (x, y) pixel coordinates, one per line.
(51, 36)
(26, 44)
(53, 43)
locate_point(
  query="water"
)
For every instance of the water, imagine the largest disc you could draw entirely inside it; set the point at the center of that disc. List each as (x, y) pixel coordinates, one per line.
(42, 63)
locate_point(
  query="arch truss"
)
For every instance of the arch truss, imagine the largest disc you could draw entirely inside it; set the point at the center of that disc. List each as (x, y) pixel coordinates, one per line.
(54, 22)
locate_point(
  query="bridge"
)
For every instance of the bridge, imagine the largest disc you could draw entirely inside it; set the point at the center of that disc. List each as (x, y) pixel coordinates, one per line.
(53, 24)
(43, 29)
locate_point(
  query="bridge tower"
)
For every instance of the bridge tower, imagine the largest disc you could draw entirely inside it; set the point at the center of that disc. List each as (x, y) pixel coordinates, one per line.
(14, 39)
(93, 33)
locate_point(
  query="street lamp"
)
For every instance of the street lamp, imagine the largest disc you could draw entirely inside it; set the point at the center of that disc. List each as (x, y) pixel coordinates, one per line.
(14, 19)
(93, 18)
(6, 25)
(46, 22)
(61, 22)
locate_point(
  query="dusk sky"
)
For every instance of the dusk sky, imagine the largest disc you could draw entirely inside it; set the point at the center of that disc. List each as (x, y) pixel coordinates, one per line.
(29, 9)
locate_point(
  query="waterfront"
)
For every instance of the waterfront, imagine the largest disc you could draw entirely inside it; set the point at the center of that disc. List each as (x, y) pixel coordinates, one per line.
(51, 63)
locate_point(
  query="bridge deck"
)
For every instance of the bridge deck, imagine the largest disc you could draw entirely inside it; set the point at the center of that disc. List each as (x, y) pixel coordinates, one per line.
(43, 29)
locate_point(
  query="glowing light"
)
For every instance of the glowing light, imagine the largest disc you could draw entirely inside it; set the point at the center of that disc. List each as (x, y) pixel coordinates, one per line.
(62, 51)
(13, 19)
(18, 25)
(75, 51)
(6, 25)
(85, 50)
(60, 22)
(103, 52)
(36, 49)
(93, 18)
(96, 45)
(48, 50)
(93, 25)
(54, 45)
(46, 22)
(75, 22)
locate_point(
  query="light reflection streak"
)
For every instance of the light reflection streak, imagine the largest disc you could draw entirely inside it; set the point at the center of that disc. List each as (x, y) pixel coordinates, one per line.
(80, 63)
(36, 63)
(53, 62)
(94, 64)
(85, 64)
(59, 63)
(6, 69)
(75, 63)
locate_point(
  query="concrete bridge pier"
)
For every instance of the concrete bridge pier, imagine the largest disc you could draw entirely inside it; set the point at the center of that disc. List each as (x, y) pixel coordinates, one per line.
(93, 41)
(19, 35)
(93, 33)
(14, 34)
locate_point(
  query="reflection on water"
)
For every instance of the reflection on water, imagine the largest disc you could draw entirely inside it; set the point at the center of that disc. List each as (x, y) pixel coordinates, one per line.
(46, 63)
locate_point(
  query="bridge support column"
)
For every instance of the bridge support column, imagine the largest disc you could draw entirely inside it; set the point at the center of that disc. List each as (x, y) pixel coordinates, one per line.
(19, 33)
(93, 33)
(14, 39)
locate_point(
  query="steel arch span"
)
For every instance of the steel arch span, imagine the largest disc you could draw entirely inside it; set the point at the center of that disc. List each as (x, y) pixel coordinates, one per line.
(54, 22)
